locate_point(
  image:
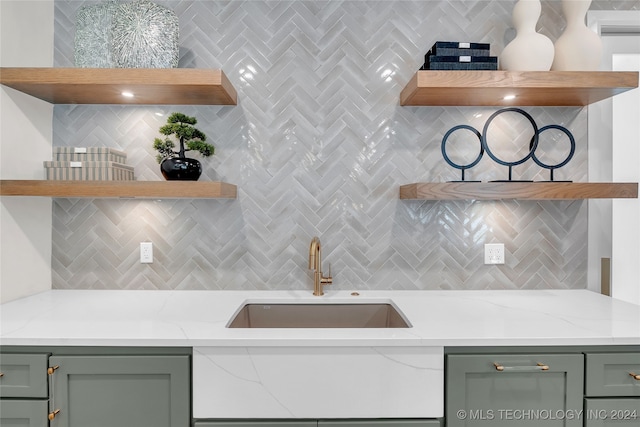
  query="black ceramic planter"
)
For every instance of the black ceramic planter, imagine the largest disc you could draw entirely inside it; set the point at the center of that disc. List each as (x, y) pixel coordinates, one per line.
(181, 169)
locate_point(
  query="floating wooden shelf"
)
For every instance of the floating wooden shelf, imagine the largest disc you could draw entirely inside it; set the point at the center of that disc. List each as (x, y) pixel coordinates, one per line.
(518, 190)
(531, 88)
(162, 86)
(120, 189)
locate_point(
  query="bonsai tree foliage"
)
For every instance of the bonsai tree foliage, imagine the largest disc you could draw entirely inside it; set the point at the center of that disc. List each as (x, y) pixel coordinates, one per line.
(189, 138)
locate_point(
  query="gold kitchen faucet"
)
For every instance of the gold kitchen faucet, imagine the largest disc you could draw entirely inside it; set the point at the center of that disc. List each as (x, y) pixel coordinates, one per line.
(315, 264)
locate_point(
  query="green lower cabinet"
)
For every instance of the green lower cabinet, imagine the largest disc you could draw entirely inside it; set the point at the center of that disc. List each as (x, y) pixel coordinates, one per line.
(612, 412)
(505, 390)
(24, 375)
(108, 391)
(379, 423)
(320, 423)
(255, 423)
(612, 374)
(23, 413)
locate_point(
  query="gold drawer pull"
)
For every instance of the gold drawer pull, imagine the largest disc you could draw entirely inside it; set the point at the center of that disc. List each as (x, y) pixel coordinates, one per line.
(53, 414)
(1, 374)
(538, 367)
(52, 369)
(634, 376)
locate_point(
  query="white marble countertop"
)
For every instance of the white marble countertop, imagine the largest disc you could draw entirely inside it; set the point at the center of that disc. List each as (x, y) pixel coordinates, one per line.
(198, 318)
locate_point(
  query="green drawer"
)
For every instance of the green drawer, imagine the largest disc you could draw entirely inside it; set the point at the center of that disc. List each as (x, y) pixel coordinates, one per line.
(255, 423)
(379, 423)
(609, 374)
(612, 412)
(321, 423)
(24, 375)
(23, 413)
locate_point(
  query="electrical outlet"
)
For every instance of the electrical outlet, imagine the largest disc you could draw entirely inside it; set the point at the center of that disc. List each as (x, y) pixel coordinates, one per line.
(146, 252)
(494, 253)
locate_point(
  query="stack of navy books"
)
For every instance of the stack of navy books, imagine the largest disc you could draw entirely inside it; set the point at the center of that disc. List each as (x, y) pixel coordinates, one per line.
(459, 56)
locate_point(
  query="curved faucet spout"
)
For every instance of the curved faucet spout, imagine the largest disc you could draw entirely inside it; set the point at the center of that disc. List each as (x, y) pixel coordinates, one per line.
(314, 254)
(315, 264)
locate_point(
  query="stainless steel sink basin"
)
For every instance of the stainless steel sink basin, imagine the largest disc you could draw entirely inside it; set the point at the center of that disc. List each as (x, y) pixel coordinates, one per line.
(325, 315)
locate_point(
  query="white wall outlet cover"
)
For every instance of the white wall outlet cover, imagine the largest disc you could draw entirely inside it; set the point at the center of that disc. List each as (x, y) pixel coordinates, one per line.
(146, 252)
(494, 253)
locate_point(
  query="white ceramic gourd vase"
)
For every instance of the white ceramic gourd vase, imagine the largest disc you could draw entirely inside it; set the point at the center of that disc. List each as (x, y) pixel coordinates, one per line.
(529, 50)
(578, 48)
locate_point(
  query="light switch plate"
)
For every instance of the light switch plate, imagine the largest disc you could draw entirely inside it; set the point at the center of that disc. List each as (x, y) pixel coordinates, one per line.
(494, 253)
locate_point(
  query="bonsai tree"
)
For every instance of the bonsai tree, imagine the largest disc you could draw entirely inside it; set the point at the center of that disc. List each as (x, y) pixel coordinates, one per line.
(189, 138)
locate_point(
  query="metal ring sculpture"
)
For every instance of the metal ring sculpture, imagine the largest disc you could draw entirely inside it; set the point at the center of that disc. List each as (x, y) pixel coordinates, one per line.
(571, 152)
(444, 149)
(532, 145)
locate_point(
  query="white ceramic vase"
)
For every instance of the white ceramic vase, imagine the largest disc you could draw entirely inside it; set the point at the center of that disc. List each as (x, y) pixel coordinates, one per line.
(529, 50)
(578, 48)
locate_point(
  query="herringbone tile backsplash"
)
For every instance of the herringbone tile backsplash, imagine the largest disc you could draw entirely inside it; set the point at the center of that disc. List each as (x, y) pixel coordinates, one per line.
(318, 145)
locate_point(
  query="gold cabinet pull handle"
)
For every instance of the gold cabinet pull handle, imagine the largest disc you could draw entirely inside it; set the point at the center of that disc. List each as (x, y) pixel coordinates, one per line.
(537, 367)
(52, 369)
(53, 414)
(634, 376)
(1, 374)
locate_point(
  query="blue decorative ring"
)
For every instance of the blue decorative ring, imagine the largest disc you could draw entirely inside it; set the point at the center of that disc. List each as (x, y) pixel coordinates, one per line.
(444, 144)
(532, 145)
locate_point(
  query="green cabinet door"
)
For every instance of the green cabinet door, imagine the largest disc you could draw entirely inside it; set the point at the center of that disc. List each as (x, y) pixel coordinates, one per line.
(321, 423)
(379, 423)
(612, 412)
(23, 413)
(256, 423)
(495, 390)
(126, 391)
